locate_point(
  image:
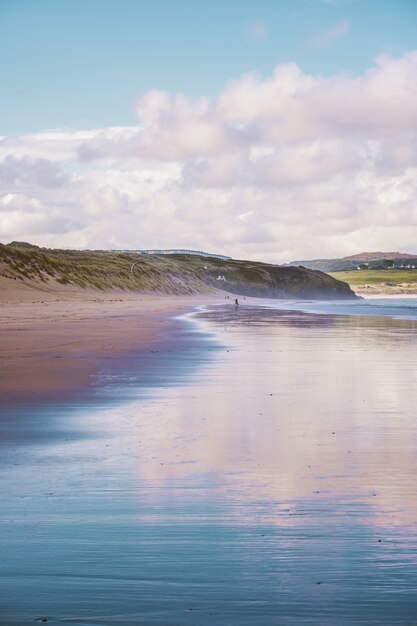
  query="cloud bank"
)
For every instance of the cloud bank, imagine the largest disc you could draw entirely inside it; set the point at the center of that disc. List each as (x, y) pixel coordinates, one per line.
(277, 168)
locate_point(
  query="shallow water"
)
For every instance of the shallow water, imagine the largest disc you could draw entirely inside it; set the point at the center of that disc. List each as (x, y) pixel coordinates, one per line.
(398, 307)
(272, 485)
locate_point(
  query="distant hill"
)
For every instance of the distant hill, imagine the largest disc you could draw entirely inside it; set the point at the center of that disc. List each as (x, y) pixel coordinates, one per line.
(44, 268)
(371, 260)
(377, 256)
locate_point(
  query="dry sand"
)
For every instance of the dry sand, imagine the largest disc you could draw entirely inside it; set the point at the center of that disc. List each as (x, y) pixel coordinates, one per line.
(382, 289)
(51, 339)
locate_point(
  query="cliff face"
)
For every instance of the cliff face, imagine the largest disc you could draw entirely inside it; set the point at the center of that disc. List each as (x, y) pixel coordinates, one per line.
(176, 274)
(271, 281)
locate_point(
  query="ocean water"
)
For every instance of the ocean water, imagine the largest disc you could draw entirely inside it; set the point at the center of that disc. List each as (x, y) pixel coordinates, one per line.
(398, 307)
(267, 479)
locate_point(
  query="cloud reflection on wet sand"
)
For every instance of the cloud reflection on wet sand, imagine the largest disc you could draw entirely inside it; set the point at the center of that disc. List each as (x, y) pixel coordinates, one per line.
(276, 485)
(308, 406)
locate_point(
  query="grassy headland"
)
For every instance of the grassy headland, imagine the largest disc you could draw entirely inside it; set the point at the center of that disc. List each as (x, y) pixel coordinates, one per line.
(173, 274)
(380, 281)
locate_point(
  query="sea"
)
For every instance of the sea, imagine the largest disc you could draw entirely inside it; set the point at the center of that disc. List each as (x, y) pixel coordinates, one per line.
(399, 307)
(261, 474)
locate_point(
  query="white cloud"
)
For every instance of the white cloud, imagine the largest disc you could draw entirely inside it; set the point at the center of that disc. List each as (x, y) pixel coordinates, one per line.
(258, 30)
(26, 216)
(28, 172)
(329, 36)
(55, 145)
(276, 168)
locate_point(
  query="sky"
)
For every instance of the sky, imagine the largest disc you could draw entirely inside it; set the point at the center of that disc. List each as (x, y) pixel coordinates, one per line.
(269, 129)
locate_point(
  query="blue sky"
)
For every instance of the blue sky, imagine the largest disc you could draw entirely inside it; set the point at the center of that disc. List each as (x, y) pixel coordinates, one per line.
(83, 63)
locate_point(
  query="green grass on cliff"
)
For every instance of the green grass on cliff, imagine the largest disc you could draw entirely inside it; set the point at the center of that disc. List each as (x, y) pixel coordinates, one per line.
(357, 278)
(98, 269)
(175, 274)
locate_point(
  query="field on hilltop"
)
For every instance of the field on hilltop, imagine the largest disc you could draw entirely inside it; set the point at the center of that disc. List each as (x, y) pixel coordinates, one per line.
(380, 281)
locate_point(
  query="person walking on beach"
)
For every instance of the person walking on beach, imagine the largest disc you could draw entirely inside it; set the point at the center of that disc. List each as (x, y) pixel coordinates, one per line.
(236, 302)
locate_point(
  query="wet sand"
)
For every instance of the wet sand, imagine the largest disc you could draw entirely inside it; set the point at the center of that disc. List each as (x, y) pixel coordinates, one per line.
(57, 348)
(266, 476)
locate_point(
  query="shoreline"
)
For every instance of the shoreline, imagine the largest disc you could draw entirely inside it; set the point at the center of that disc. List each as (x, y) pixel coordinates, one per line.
(52, 350)
(56, 349)
(231, 461)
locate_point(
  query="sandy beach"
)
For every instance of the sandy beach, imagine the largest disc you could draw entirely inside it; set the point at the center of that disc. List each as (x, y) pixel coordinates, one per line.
(208, 313)
(371, 291)
(218, 458)
(52, 341)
